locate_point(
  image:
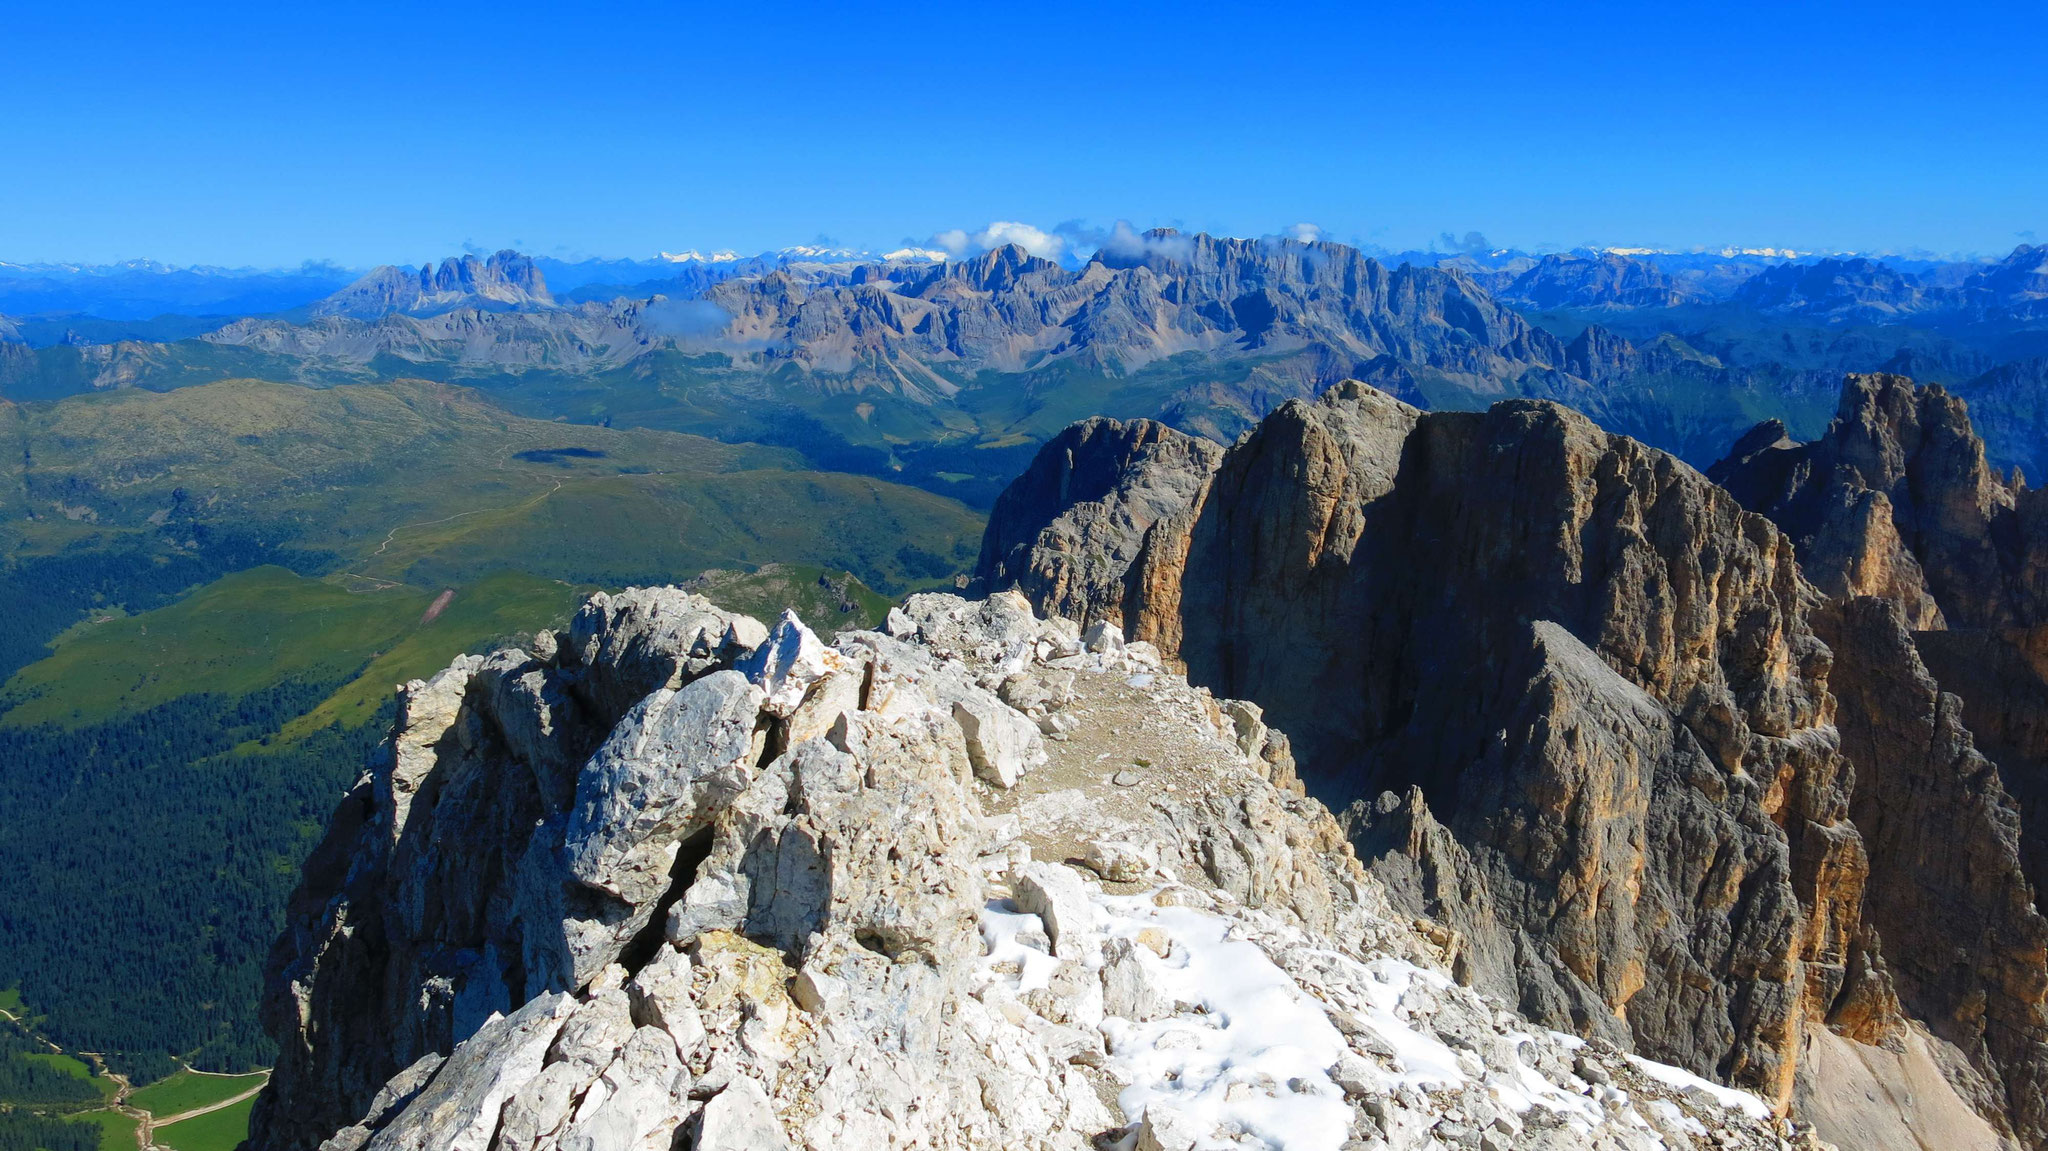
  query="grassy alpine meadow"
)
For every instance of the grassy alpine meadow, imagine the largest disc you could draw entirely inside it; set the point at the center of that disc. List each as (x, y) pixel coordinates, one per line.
(373, 501)
(189, 1091)
(118, 1131)
(221, 1130)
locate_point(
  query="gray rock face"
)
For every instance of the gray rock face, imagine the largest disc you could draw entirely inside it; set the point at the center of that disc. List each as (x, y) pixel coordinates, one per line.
(1947, 893)
(2001, 678)
(674, 759)
(1604, 281)
(740, 1118)
(1905, 528)
(505, 280)
(1369, 574)
(1587, 911)
(458, 1110)
(1897, 494)
(1068, 530)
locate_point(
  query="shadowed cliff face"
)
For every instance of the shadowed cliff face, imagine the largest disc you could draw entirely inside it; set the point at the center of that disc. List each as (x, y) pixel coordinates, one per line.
(1115, 479)
(1575, 696)
(1901, 523)
(1896, 500)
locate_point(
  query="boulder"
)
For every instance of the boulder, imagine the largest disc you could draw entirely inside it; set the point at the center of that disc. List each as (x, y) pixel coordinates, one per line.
(740, 1118)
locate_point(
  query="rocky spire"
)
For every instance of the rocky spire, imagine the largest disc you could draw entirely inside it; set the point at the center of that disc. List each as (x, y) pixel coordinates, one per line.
(1896, 500)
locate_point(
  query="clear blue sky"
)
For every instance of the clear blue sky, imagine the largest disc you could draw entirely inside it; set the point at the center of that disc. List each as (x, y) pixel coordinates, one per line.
(368, 133)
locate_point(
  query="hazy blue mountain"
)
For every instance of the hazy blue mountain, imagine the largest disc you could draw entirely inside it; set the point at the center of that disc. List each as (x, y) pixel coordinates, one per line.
(2014, 287)
(140, 289)
(507, 280)
(1598, 280)
(1842, 289)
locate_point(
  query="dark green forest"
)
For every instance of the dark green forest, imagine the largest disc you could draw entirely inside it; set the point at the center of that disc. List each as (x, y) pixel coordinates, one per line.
(33, 1082)
(171, 850)
(38, 1133)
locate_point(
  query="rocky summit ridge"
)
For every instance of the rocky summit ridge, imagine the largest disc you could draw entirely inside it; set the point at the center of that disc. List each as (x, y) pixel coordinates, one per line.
(673, 879)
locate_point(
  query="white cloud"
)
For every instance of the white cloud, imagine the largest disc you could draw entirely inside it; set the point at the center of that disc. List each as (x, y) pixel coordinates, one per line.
(1126, 241)
(1305, 232)
(959, 242)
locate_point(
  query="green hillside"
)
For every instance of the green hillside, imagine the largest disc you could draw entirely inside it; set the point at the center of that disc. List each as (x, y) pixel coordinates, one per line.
(189, 1091)
(215, 589)
(124, 500)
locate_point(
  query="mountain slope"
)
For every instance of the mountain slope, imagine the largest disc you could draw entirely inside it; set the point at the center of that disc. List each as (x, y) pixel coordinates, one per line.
(1605, 280)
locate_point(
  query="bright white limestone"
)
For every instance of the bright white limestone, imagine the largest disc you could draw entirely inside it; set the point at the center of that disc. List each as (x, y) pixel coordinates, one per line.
(787, 664)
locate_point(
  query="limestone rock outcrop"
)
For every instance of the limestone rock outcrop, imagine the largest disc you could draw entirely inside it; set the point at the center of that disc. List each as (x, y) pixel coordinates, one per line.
(443, 892)
(1575, 699)
(2001, 678)
(1067, 530)
(1967, 950)
(783, 908)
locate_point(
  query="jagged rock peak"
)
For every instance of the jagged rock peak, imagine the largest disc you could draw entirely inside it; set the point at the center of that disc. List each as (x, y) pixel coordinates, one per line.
(1572, 697)
(980, 880)
(1083, 509)
(506, 279)
(1896, 500)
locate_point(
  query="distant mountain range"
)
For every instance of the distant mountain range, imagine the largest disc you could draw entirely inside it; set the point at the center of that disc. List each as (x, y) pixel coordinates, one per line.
(1218, 330)
(1836, 288)
(944, 372)
(141, 289)
(91, 297)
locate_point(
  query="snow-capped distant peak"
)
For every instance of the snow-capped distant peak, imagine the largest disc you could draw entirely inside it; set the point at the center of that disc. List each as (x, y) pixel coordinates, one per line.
(934, 254)
(693, 256)
(817, 252)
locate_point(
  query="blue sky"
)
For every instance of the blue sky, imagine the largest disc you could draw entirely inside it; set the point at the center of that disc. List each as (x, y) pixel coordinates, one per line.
(369, 133)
